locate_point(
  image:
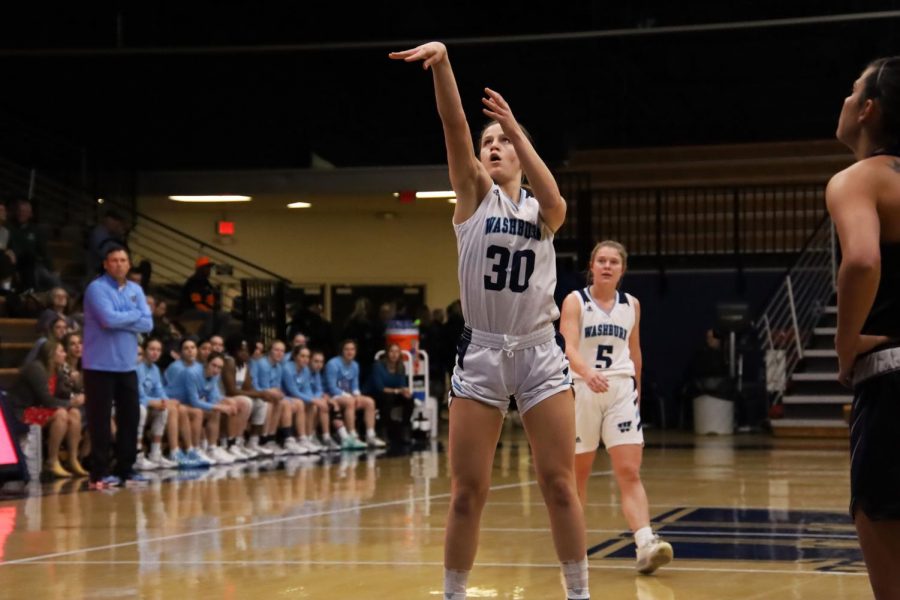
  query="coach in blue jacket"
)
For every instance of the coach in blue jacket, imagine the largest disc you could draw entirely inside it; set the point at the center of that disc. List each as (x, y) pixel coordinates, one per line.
(115, 312)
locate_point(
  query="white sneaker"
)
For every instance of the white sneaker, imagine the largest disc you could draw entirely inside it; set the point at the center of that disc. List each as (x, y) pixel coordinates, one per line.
(330, 445)
(653, 555)
(313, 445)
(292, 446)
(375, 442)
(235, 453)
(274, 449)
(242, 446)
(142, 463)
(246, 452)
(206, 455)
(260, 450)
(162, 462)
(250, 453)
(221, 455)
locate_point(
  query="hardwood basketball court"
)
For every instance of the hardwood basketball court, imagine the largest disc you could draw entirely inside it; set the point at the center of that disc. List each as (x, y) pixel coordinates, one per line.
(748, 516)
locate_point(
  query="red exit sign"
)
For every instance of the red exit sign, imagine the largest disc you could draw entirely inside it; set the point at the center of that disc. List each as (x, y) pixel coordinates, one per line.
(225, 227)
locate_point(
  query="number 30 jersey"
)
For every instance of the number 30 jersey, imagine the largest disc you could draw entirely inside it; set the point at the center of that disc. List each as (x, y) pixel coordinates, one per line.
(507, 266)
(604, 336)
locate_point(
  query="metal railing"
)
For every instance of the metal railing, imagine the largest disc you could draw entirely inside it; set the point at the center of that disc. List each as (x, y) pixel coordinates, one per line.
(172, 253)
(785, 326)
(695, 221)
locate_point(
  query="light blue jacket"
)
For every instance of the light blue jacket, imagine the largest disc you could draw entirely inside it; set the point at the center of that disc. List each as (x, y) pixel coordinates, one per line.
(190, 385)
(265, 374)
(150, 384)
(341, 378)
(297, 384)
(113, 318)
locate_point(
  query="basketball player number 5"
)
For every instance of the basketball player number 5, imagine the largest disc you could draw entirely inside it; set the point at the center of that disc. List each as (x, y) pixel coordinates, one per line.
(502, 266)
(604, 361)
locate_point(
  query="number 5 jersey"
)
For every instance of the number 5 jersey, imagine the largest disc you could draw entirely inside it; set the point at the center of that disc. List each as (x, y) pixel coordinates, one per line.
(604, 336)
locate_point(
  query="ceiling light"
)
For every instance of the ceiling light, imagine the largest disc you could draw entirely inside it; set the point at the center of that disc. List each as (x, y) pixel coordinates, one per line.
(436, 195)
(219, 198)
(299, 205)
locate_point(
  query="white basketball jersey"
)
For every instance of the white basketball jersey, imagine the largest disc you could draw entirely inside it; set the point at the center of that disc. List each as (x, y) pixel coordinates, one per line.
(507, 266)
(604, 336)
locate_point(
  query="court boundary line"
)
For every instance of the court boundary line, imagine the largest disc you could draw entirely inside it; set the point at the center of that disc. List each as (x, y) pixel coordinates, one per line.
(480, 565)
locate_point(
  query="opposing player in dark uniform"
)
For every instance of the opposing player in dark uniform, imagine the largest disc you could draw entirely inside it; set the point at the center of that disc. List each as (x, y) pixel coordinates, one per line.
(507, 274)
(864, 202)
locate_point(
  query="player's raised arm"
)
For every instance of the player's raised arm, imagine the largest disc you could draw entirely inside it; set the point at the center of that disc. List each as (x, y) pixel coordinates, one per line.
(546, 190)
(468, 176)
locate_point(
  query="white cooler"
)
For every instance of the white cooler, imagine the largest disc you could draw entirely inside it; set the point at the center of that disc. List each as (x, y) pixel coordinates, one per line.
(713, 415)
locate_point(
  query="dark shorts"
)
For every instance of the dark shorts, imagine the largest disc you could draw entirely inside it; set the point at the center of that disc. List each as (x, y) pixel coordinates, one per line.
(875, 448)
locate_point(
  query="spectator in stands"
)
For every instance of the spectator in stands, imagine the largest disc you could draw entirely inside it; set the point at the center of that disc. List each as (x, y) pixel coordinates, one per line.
(7, 256)
(36, 402)
(200, 299)
(160, 314)
(163, 329)
(342, 381)
(204, 349)
(298, 340)
(73, 343)
(435, 345)
(58, 309)
(54, 331)
(319, 332)
(259, 350)
(217, 344)
(4, 232)
(453, 329)
(337, 406)
(72, 381)
(71, 370)
(362, 327)
(390, 386)
(111, 229)
(29, 245)
(134, 275)
(708, 371)
(115, 312)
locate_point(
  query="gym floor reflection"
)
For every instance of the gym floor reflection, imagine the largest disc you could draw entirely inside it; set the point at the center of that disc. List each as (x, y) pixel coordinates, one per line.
(748, 516)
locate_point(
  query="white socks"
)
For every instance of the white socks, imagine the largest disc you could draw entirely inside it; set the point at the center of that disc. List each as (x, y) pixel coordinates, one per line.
(643, 536)
(575, 575)
(455, 584)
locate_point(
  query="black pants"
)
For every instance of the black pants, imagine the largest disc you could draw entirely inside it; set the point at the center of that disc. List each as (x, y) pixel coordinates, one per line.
(396, 412)
(101, 389)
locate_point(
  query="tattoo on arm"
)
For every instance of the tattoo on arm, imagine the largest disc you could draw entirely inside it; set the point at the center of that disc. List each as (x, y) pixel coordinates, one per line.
(895, 165)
